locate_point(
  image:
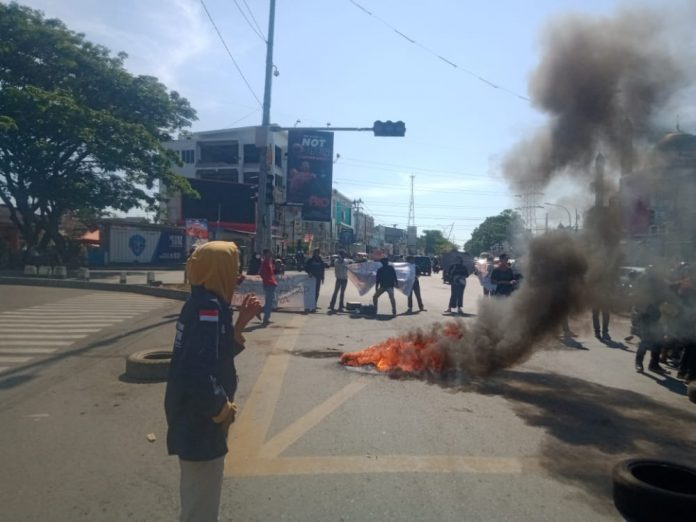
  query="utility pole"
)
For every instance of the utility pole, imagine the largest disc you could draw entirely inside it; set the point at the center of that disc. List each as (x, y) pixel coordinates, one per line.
(357, 206)
(412, 207)
(264, 206)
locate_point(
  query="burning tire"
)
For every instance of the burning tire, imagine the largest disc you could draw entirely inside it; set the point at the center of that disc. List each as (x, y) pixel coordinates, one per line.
(148, 365)
(654, 490)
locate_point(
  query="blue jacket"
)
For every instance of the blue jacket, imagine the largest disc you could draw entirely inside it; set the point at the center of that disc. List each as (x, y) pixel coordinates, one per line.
(202, 377)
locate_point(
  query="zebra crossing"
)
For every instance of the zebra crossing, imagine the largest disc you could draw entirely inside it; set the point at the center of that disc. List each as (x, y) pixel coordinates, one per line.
(40, 330)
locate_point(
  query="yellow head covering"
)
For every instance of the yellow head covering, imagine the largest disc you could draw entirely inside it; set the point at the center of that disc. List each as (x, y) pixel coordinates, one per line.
(215, 266)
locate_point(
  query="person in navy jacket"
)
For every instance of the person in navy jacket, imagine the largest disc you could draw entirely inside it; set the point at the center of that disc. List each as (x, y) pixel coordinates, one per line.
(199, 399)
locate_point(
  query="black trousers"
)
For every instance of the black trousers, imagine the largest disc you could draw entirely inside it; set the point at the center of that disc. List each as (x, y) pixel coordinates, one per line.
(456, 296)
(339, 286)
(655, 349)
(415, 290)
(316, 299)
(605, 320)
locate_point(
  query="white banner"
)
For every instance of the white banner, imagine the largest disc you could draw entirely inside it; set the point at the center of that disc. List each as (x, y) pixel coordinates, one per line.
(293, 291)
(364, 275)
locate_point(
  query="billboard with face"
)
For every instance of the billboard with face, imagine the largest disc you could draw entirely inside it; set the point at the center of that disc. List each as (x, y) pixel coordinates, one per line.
(310, 169)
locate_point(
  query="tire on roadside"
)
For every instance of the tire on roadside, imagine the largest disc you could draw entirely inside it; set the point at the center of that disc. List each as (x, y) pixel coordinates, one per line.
(647, 489)
(691, 391)
(148, 365)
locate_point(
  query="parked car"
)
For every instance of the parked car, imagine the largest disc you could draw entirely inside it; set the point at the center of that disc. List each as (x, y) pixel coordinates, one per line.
(423, 265)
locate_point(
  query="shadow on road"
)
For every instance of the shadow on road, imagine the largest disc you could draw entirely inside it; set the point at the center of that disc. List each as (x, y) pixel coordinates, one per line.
(590, 427)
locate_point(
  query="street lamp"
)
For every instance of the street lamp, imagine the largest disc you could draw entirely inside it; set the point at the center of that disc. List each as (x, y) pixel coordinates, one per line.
(570, 220)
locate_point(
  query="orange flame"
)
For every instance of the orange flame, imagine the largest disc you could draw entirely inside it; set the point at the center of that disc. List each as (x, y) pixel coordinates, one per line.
(411, 353)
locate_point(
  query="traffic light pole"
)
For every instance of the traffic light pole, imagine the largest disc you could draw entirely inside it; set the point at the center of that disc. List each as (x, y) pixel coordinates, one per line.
(264, 209)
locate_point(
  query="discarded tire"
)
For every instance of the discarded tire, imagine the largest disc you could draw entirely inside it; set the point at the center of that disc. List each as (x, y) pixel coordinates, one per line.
(691, 391)
(654, 490)
(148, 365)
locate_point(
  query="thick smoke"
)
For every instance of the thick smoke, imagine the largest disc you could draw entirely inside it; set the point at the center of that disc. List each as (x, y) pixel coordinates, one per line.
(595, 76)
(603, 83)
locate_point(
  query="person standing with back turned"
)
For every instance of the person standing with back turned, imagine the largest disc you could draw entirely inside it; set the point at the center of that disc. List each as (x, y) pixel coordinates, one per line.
(202, 377)
(315, 268)
(386, 282)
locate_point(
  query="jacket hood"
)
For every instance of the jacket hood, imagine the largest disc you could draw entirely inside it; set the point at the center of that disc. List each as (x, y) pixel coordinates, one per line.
(215, 266)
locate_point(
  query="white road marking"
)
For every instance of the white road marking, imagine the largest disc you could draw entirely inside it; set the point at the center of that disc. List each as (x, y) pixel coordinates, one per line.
(12, 359)
(40, 330)
(47, 342)
(37, 351)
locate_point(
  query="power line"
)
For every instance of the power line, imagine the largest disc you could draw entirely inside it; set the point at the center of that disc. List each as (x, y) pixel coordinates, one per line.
(438, 56)
(339, 181)
(256, 31)
(239, 70)
(251, 13)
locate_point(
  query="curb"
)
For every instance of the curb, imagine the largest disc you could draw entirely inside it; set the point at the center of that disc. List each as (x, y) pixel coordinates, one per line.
(89, 285)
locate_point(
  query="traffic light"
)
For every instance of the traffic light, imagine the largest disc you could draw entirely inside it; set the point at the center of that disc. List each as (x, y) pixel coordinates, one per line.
(389, 128)
(270, 187)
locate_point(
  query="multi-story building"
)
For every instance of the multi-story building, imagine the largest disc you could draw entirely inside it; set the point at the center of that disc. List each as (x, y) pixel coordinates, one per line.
(343, 220)
(365, 232)
(223, 166)
(657, 200)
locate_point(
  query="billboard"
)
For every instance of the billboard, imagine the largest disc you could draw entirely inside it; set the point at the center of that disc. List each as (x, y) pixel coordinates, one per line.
(310, 169)
(143, 245)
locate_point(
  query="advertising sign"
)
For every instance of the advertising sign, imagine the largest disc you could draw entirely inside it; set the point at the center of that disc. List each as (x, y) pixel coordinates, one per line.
(139, 245)
(197, 228)
(310, 170)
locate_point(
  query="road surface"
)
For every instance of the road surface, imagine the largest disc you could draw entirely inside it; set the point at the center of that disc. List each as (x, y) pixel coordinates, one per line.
(314, 441)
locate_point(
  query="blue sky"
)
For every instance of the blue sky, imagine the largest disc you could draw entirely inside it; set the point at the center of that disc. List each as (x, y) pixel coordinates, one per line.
(339, 65)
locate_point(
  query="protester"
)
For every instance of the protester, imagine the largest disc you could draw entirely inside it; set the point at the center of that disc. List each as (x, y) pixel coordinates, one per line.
(415, 289)
(269, 285)
(386, 282)
(645, 319)
(604, 333)
(202, 378)
(484, 275)
(503, 277)
(254, 265)
(457, 274)
(341, 273)
(315, 268)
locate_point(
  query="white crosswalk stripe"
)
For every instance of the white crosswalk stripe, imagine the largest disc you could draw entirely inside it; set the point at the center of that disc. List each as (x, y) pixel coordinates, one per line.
(40, 330)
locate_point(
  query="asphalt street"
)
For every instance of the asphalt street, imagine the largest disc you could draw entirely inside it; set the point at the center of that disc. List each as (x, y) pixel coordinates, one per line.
(314, 441)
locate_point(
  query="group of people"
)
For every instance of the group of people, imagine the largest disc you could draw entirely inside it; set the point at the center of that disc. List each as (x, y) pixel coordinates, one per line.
(664, 318)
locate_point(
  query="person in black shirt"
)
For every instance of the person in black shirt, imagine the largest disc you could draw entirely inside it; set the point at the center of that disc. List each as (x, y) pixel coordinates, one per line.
(315, 268)
(503, 277)
(457, 274)
(386, 282)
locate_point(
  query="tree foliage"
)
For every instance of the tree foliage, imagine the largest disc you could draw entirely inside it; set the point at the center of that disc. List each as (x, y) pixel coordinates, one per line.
(78, 132)
(433, 242)
(505, 228)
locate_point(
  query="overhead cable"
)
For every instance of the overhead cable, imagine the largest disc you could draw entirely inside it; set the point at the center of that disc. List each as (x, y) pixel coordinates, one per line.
(229, 53)
(438, 56)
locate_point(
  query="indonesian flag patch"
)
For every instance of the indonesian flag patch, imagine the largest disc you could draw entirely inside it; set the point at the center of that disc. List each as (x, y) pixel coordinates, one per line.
(208, 315)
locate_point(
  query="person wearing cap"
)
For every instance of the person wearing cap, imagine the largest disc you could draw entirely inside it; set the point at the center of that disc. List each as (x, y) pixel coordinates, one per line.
(199, 398)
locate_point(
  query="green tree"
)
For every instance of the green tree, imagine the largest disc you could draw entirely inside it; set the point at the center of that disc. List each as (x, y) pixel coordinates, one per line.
(506, 227)
(78, 132)
(433, 242)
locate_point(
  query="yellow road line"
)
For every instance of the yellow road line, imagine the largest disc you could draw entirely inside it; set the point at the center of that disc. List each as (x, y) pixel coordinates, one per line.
(283, 440)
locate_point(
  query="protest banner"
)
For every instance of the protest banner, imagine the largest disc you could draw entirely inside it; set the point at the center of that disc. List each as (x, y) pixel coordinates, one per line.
(364, 275)
(293, 291)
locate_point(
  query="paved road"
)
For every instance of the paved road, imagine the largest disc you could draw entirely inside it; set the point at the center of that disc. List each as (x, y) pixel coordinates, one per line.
(316, 442)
